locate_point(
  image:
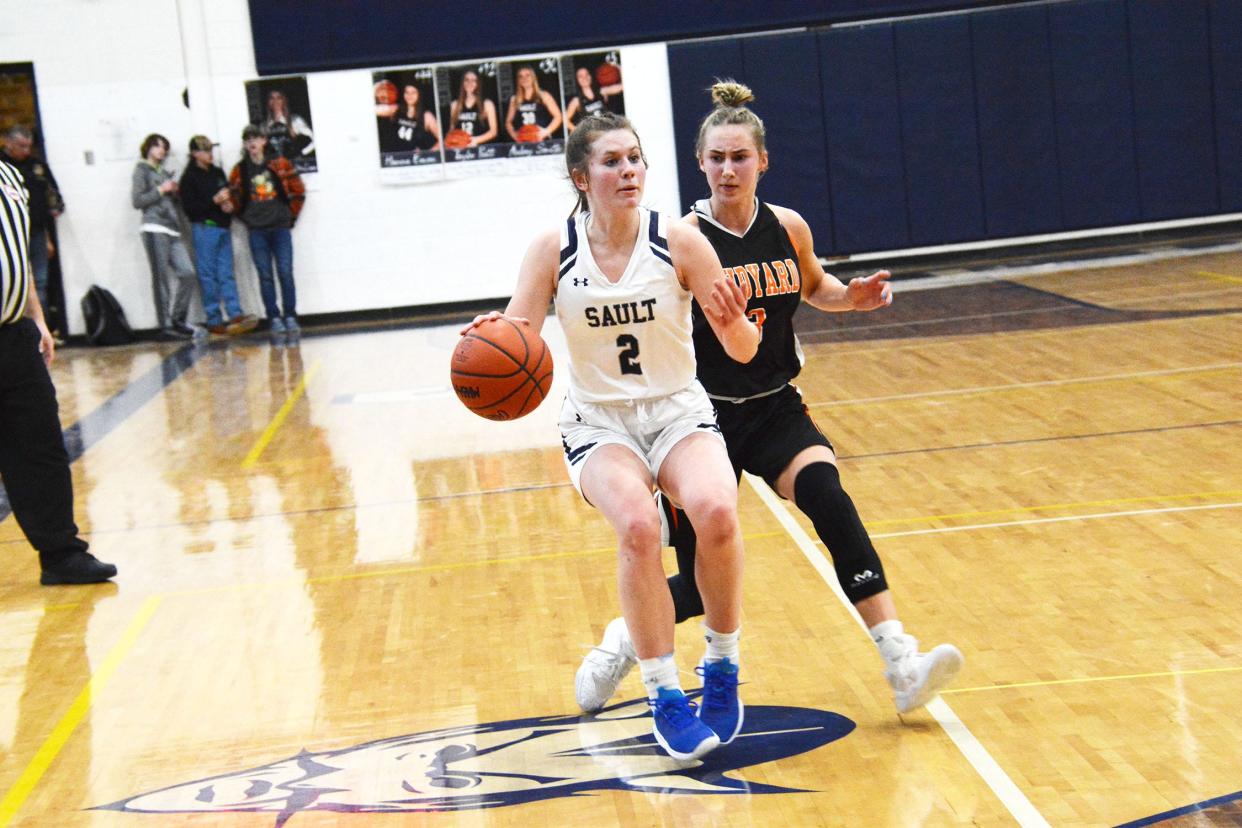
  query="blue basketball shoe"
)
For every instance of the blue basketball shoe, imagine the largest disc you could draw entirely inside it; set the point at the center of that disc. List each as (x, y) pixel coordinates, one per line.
(677, 728)
(721, 709)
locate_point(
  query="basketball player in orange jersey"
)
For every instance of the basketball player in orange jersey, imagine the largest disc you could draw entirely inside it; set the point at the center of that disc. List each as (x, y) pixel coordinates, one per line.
(532, 105)
(472, 113)
(623, 278)
(761, 413)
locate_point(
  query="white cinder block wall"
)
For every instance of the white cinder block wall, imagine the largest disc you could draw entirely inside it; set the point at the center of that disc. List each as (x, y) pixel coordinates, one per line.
(111, 71)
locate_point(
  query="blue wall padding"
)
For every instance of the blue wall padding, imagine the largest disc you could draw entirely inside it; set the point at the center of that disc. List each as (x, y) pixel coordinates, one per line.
(863, 123)
(1017, 128)
(783, 72)
(1226, 25)
(940, 141)
(1173, 119)
(994, 123)
(692, 69)
(1094, 120)
(315, 35)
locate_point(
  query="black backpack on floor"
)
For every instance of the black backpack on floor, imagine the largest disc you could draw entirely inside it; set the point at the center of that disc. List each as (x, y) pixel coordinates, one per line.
(105, 320)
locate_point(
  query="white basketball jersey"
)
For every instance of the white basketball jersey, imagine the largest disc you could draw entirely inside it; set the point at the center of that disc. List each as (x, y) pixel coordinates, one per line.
(630, 339)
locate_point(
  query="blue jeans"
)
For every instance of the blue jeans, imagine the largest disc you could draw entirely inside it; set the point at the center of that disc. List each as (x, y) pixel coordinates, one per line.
(213, 252)
(266, 244)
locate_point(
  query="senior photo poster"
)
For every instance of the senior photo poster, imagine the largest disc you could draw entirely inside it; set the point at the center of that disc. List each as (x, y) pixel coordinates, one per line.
(282, 107)
(533, 120)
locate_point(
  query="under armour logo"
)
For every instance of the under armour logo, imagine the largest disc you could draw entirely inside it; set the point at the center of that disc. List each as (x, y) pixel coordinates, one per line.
(580, 282)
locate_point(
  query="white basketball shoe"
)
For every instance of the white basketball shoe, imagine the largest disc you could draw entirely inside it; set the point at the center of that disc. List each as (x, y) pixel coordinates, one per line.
(917, 678)
(604, 667)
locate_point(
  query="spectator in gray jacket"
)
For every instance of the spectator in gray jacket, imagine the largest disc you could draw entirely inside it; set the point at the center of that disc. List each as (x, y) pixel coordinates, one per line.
(154, 192)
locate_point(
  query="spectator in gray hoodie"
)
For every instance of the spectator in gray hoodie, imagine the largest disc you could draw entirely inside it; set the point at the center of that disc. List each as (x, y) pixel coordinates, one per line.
(154, 192)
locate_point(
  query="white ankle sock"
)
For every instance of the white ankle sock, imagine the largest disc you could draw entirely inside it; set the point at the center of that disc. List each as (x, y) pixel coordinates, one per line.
(886, 634)
(721, 645)
(658, 672)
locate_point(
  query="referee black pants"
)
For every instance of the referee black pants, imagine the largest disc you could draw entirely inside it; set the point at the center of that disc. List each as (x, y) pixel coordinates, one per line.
(33, 462)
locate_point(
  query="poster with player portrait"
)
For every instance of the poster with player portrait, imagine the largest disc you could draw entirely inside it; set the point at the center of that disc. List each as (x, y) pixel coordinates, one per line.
(532, 121)
(592, 85)
(406, 120)
(470, 113)
(282, 107)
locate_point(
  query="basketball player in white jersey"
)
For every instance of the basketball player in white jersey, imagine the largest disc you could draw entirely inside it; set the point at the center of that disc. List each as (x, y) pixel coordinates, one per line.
(623, 278)
(761, 413)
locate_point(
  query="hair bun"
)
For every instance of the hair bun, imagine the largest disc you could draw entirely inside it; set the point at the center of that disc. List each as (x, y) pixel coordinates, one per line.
(731, 93)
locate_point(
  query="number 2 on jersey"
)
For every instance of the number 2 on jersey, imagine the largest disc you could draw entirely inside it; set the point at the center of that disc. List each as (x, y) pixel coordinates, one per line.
(628, 343)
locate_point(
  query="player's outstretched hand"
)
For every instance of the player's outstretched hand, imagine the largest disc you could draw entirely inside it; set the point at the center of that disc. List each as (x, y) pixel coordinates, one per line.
(871, 292)
(728, 301)
(488, 317)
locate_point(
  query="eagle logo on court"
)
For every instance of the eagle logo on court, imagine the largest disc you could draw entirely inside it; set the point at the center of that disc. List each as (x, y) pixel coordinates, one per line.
(499, 764)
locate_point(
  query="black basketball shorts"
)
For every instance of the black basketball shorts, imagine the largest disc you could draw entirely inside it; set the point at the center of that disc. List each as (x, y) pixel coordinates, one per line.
(765, 434)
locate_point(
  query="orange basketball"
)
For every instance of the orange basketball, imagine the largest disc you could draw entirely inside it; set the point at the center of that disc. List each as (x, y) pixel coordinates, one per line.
(529, 133)
(606, 74)
(385, 92)
(457, 139)
(501, 370)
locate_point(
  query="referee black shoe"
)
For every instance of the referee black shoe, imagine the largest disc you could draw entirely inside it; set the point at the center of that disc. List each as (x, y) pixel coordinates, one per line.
(77, 567)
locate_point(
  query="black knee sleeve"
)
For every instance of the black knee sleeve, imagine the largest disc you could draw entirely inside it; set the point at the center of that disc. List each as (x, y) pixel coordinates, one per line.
(818, 493)
(687, 603)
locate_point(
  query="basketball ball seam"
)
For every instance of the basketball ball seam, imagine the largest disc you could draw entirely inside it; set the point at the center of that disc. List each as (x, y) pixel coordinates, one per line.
(535, 382)
(523, 373)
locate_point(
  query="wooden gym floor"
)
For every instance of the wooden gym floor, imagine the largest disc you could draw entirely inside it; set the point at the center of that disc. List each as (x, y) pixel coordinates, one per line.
(345, 600)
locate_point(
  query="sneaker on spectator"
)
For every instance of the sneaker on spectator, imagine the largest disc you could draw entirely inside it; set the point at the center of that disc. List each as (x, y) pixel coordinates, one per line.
(276, 326)
(241, 324)
(292, 327)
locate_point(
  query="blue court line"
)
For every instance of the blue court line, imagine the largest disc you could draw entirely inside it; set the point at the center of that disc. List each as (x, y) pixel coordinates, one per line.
(98, 424)
(1205, 805)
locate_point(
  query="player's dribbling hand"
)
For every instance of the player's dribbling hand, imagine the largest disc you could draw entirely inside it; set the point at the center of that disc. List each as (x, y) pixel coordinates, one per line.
(488, 317)
(869, 293)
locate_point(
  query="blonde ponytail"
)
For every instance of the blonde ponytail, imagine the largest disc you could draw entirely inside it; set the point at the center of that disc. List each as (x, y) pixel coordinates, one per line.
(730, 98)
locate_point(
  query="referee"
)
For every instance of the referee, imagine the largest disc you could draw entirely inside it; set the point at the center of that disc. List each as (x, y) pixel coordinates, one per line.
(33, 460)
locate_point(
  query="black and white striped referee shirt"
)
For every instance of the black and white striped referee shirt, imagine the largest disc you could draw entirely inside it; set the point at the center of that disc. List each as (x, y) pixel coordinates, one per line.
(14, 244)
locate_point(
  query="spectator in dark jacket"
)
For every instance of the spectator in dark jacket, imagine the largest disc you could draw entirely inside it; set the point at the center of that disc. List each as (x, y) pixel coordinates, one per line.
(46, 203)
(268, 195)
(205, 197)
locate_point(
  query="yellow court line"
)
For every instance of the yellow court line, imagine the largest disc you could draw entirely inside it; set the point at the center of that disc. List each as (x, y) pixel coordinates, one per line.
(279, 419)
(52, 746)
(1018, 684)
(1222, 277)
